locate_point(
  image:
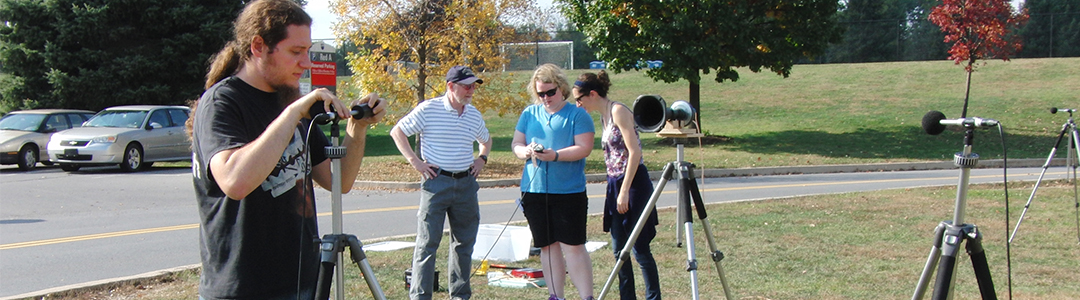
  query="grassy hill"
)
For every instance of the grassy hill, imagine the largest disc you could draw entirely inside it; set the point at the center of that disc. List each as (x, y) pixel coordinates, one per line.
(825, 114)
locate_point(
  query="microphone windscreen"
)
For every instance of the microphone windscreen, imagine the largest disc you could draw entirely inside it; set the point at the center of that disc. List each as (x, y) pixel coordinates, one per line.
(931, 122)
(1053, 110)
(316, 109)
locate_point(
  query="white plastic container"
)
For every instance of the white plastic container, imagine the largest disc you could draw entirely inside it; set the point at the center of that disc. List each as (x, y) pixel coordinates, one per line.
(512, 245)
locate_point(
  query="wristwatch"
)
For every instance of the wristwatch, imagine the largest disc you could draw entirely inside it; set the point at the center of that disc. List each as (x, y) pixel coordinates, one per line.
(484, 157)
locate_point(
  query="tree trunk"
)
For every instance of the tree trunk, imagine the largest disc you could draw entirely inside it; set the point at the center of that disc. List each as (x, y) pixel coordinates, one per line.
(967, 92)
(695, 101)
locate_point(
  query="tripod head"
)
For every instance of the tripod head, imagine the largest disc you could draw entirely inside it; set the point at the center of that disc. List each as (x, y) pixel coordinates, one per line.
(1055, 110)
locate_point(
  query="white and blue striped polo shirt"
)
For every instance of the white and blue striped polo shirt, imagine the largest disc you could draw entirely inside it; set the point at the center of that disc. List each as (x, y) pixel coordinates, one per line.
(446, 138)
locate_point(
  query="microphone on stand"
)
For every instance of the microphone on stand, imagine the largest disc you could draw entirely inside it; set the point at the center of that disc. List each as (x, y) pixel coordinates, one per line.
(1055, 110)
(934, 122)
(321, 117)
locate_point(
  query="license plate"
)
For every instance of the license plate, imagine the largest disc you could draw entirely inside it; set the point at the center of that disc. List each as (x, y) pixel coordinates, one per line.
(71, 152)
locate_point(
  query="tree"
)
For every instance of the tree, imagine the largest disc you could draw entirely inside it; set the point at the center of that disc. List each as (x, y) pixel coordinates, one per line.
(416, 42)
(583, 54)
(978, 29)
(94, 54)
(873, 31)
(692, 37)
(1053, 30)
(923, 38)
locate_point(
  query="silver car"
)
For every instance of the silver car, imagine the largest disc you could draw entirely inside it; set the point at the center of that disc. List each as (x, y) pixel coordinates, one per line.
(24, 134)
(133, 136)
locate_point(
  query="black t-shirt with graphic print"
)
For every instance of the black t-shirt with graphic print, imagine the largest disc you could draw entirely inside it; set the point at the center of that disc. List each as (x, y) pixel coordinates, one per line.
(250, 247)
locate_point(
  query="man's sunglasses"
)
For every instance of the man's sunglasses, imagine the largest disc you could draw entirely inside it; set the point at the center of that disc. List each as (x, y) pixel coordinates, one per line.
(547, 93)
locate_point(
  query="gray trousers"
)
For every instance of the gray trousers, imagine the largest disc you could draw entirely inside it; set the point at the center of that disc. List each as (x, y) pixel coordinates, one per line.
(442, 197)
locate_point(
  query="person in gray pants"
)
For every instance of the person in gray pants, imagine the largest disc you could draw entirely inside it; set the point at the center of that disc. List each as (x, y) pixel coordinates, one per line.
(448, 125)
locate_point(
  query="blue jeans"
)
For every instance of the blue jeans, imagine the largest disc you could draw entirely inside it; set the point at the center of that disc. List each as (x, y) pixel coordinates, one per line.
(642, 253)
(444, 197)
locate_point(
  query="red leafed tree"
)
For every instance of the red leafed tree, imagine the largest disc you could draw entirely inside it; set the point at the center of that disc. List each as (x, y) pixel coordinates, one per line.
(978, 29)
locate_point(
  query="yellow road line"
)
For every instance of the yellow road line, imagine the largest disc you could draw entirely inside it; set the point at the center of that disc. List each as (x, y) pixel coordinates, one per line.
(95, 236)
(413, 207)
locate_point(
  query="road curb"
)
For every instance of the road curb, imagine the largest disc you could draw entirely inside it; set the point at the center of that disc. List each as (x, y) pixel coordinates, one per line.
(104, 283)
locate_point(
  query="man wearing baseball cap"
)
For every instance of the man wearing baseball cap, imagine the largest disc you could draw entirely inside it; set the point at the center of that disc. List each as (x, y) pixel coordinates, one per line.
(448, 125)
(462, 75)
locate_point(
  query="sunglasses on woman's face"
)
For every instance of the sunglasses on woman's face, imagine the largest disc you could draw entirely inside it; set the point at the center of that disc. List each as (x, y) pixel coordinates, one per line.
(548, 93)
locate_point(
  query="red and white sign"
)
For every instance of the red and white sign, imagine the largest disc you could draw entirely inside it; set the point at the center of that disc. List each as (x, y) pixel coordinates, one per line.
(323, 74)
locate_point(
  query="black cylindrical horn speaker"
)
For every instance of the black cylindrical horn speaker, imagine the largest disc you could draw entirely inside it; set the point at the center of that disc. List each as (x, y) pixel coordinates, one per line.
(650, 113)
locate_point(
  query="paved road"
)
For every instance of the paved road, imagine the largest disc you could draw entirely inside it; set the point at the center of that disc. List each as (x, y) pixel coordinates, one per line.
(59, 229)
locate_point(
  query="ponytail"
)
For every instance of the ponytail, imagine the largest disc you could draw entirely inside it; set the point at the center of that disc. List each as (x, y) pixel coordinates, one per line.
(224, 64)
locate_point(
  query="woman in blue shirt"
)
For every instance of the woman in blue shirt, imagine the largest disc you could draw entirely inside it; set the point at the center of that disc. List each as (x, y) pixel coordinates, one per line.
(555, 137)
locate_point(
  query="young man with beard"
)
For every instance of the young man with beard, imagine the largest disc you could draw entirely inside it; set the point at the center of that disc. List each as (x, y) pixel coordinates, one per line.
(253, 169)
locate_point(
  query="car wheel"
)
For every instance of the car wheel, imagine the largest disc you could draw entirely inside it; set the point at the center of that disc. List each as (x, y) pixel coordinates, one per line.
(28, 157)
(69, 167)
(133, 158)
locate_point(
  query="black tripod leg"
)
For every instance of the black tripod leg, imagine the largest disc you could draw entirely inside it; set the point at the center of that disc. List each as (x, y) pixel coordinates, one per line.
(950, 248)
(682, 210)
(978, 262)
(687, 220)
(329, 247)
(715, 254)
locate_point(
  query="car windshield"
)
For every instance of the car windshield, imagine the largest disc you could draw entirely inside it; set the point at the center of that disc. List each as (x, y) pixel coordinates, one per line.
(117, 118)
(24, 122)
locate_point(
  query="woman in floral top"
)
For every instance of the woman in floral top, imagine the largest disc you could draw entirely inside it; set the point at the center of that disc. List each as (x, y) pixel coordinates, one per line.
(629, 186)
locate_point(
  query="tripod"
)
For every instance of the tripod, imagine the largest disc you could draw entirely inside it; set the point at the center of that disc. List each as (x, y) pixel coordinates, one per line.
(1071, 160)
(333, 245)
(688, 190)
(949, 235)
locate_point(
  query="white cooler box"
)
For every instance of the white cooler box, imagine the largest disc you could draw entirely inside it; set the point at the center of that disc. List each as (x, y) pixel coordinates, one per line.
(513, 245)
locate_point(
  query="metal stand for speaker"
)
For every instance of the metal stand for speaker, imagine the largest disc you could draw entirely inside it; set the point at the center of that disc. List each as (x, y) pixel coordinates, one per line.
(688, 189)
(950, 234)
(1071, 161)
(332, 246)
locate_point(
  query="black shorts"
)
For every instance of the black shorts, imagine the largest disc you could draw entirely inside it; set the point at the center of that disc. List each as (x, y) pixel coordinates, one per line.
(556, 217)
